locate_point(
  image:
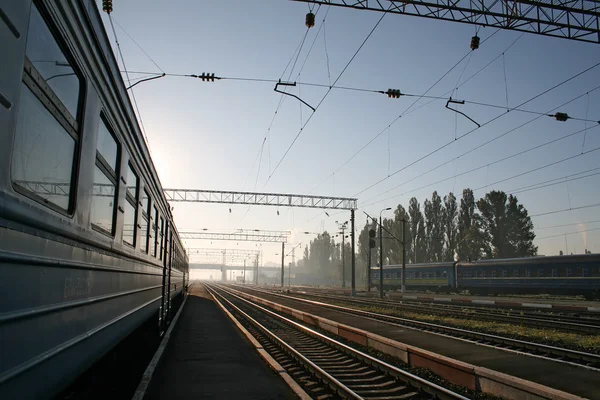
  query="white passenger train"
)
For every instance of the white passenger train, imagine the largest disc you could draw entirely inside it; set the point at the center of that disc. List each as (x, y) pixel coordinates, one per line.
(88, 248)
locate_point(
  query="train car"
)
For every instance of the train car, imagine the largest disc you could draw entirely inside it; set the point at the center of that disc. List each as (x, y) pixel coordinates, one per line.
(439, 276)
(569, 275)
(88, 247)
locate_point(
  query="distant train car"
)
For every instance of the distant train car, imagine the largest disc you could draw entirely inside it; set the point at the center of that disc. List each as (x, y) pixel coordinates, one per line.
(561, 275)
(88, 248)
(569, 275)
(431, 276)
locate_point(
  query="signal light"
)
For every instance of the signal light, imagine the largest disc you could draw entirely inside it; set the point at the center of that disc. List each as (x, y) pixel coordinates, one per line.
(371, 233)
(475, 42)
(394, 93)
(562, 117)
(310, 20)
(107, 6)
(372, 243)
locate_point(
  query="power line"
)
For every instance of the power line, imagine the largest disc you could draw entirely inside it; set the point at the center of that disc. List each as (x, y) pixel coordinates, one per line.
(556, 183)
(137, 44)
(479, 146)
(496, 162)
(129, 81)
(565, 210)
(474, 129)
(324, 97)
(568, 233)
(406, 111)
(563, 225)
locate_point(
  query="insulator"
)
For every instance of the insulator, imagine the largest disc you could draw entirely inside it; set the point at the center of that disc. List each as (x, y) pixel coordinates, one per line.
(394, 93)
(207, 77)
(475, 42)
(562, 117)
(107, 6)
(310, 20)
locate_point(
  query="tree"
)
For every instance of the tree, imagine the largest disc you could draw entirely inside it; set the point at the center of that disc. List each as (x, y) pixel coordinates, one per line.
(507, 228)
(450, 226)
(470, 240)
(399, 215)
(434, 228)
(417, 231)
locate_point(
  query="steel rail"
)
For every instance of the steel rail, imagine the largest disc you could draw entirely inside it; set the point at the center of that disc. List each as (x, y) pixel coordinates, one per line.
(475, 314)
(415, 381)
(557, 354)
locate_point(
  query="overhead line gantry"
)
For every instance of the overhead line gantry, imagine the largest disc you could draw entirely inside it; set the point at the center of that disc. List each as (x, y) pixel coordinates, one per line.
(569, 19)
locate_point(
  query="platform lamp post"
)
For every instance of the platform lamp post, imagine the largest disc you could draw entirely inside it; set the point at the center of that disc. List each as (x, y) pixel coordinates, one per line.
(381, 252)
(342, 227)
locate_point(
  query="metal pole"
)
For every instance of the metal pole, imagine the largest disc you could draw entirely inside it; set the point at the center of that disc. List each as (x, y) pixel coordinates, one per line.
(353, 253)
(403, 256)
(244, 278)
(343, 259)
(380, 259)
(282, 261)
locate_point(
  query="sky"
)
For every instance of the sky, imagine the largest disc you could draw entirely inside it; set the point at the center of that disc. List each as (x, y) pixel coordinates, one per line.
(235, 135)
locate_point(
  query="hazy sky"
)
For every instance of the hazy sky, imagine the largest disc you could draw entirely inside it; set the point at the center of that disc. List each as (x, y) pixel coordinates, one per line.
(208, 135)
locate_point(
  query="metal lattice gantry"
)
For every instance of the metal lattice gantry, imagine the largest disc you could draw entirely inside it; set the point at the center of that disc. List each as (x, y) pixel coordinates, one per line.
(261, 199)
(570, 19)
(240, 236)
(228, 256)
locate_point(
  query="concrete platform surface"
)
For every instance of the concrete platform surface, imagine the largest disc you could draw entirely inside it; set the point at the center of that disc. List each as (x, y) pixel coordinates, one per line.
(208, 358)
(568, 378)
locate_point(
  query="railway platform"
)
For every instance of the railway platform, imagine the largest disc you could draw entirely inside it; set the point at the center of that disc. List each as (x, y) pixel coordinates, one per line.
(565, 377)
(208, 357)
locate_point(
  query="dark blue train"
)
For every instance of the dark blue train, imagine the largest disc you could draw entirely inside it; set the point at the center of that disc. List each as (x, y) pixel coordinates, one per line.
(568, 275)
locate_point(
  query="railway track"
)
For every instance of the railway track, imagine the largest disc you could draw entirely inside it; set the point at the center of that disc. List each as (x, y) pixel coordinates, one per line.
(577, 316)
(324, 367)
(566, 324)
(558, 354)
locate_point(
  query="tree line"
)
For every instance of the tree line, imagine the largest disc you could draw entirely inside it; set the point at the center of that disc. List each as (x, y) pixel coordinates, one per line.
(443, 229)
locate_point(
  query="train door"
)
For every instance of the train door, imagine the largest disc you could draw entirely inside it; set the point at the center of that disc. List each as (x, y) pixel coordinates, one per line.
(166, 255)
(168, 273)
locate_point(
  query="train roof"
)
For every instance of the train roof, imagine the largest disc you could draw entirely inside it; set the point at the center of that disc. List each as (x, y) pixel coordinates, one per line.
(425, 265)
(574, 258)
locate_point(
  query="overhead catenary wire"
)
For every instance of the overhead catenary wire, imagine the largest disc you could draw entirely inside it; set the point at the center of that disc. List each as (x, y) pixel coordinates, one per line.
(485, 143)
(324, 97)
(567, 233)
(407, 111)
(139, 115)
(475, 129)
(563, 225)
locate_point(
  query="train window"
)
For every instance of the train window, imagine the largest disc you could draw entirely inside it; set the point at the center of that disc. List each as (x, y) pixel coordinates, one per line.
(569, 272)
(150, 232)
(144, 221)
(554, 272)
(585, 271)
(46, 136)
(154, 243)
(483, 274)
(49, 62)
(528, 273)
(129, 226)
(105, 180)
(162, 236)
(504, 273)
(541, 272)
(516, 273)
